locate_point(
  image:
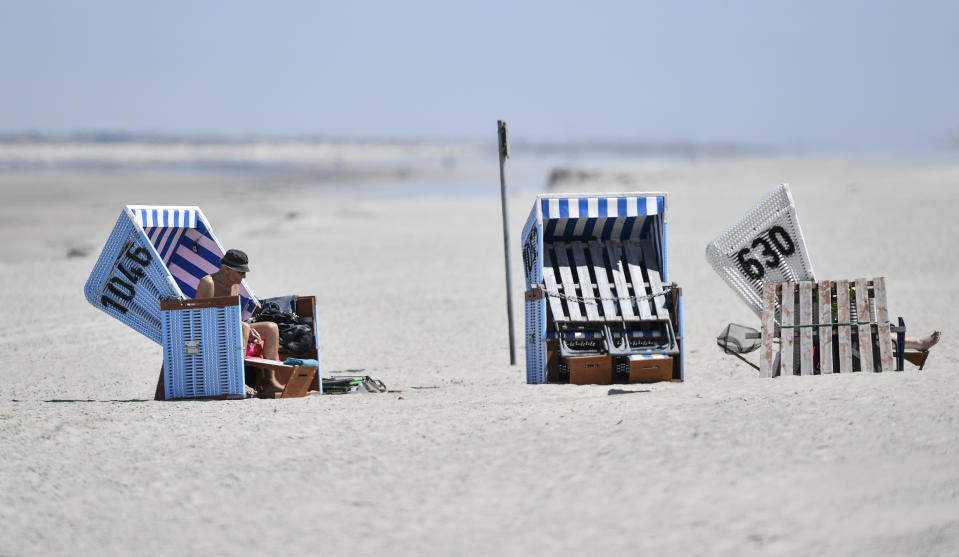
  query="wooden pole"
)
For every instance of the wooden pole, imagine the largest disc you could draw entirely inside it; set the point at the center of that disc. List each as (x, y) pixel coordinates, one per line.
(503, 134)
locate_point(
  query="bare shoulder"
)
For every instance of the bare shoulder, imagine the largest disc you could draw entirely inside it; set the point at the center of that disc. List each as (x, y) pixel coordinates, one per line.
(205, 287)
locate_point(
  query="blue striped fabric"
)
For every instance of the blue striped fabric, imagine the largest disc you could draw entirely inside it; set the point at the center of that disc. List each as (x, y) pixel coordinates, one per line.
(595, 207)
(187, 247)
(176, 217)
(602, 218)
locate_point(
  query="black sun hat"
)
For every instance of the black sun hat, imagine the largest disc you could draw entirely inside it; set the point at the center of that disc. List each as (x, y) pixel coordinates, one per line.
(236, 260)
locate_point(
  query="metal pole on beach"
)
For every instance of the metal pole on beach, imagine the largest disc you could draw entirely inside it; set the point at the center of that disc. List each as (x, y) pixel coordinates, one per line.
(503, 134)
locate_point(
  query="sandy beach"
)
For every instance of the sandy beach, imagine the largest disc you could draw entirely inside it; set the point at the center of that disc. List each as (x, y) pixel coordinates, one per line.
(466, 458)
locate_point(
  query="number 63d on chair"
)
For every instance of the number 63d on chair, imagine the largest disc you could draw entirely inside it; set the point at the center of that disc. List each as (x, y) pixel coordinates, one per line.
(765, 245)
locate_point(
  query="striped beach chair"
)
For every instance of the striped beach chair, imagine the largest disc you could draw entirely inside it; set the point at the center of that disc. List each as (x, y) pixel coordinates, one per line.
(150, 265)
(599, 304)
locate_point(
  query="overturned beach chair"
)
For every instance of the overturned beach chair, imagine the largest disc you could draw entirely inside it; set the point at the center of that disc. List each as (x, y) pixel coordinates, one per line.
(146, 276)
(599, 304)
(828, 327)
(765, 248)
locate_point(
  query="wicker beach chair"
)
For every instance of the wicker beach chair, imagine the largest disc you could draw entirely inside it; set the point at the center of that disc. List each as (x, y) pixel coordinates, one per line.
(599, 304)
(146, 276)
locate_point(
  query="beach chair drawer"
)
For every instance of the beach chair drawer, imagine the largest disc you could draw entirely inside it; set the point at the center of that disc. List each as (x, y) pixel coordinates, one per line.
(650, 368)
(590, 370)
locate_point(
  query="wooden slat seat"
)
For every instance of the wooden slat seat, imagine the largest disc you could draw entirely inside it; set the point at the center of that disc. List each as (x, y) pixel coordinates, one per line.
(297, 379)
(604, 281)
(614, 250)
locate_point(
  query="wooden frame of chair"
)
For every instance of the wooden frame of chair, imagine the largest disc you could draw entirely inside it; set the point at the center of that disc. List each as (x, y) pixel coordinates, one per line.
(828, 317)
(298, 380)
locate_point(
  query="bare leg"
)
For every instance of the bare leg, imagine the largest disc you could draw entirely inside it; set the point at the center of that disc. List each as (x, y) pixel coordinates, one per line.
(270, 334)
(921, 343)
(245, 328)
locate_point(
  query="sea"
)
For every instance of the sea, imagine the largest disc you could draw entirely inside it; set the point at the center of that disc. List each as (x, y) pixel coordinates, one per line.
(400, 167)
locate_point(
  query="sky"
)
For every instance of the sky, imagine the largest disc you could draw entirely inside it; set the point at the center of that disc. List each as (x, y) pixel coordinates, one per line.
(874, 77)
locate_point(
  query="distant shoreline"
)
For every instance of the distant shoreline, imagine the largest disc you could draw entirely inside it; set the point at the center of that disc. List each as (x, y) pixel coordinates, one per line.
(339, 158)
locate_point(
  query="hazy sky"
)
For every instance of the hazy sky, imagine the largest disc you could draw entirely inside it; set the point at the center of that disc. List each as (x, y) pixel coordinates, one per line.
(836, 76)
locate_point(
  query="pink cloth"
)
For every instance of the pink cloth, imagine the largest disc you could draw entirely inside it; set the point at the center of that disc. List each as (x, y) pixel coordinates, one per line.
(254, 349)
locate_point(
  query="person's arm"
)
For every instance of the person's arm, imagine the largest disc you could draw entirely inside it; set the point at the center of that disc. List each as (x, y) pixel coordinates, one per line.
(205, 288)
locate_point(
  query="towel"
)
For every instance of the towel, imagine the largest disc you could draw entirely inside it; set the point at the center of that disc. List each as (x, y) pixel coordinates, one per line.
(301, 362)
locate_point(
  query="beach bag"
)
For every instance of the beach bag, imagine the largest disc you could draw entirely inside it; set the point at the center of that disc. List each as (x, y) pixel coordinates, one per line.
(279, 310)
(295, 338)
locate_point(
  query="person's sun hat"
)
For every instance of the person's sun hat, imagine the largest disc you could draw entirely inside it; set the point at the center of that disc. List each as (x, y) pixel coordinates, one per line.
(236, 260)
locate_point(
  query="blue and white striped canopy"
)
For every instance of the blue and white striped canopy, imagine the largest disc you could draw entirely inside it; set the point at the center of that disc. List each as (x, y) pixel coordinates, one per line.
(155, 253)
(594, 207)
(173, 217)
(186, 245)
(604, 218)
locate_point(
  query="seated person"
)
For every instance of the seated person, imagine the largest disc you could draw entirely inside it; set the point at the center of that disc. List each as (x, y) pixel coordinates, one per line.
(226, 282)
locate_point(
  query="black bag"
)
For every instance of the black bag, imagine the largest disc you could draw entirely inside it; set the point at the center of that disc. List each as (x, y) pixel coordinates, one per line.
(295, 338)
(278, 310)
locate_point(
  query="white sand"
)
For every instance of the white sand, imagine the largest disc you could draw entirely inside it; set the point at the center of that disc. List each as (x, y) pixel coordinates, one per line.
(468, 459)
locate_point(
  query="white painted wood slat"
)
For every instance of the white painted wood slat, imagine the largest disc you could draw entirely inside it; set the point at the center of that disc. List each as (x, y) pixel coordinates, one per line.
(569, 284)
(845, 335)
(825, 331)
(865, 331)
(787, 335)
(805, 333)
(549, 281)
(597, 252)
(766, 351)
(655, 279)
(634, 258)
(886, 359)
(615, 251)
(585, 282)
